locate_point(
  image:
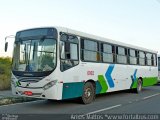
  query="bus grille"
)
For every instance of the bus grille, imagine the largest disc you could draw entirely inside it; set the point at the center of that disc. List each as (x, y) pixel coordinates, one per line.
(29, 79)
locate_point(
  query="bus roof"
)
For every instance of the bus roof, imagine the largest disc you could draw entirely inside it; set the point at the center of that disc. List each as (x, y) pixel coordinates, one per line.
(103, 39)
(94, 37)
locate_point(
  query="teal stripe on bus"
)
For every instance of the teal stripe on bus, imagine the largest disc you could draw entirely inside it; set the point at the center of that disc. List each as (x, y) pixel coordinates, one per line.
(75, 89)
(72, 90)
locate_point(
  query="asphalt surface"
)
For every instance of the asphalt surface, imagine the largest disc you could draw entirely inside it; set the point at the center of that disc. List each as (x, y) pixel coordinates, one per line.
(6, 93)
(148, 101)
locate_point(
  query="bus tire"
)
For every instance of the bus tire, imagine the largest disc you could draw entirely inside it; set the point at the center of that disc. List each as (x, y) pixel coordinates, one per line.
(88, 93)
(139, 86)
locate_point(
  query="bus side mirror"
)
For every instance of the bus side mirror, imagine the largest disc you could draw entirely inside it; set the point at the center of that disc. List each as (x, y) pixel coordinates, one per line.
(6, 43)
(6, 46)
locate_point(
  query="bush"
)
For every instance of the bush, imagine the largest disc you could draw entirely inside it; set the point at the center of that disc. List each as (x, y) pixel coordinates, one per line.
(5, 73)
(1, 70)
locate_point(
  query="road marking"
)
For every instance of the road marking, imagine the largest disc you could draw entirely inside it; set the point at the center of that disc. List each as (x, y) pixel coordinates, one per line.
(109, 108)
(105, 109)
(151, 96)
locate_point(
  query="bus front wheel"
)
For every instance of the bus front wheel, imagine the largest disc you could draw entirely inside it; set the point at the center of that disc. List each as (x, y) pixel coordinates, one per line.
(88, 93)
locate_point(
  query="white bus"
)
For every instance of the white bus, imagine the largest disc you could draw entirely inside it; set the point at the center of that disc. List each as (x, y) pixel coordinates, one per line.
(59, 63)
(158, 68)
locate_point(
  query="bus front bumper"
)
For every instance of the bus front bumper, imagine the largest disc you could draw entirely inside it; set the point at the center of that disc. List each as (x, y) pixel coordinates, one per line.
(50, 93)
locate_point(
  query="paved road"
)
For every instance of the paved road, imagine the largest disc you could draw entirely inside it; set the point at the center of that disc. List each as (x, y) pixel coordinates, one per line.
(118, 102)
(6, 93)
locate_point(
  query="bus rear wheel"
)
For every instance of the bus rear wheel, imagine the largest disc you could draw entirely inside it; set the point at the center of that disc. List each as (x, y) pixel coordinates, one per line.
(88, 93)
(139, 86)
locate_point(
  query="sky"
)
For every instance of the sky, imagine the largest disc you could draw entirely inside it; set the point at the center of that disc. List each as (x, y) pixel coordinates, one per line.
(136, 22)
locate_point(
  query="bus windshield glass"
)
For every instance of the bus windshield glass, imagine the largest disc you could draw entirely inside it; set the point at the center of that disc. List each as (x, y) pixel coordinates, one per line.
(34, 55)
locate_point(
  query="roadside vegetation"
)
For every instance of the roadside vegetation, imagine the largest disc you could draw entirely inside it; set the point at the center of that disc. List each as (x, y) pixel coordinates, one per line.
(5, 73)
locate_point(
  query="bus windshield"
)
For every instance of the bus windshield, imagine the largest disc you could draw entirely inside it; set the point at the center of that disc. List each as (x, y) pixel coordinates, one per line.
(34, 55)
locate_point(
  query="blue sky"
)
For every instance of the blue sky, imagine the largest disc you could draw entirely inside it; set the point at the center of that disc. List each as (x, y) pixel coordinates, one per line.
(135, 22)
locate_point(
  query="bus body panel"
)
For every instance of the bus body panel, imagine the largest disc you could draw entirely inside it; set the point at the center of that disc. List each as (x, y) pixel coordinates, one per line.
(111, 77)
(158, 68)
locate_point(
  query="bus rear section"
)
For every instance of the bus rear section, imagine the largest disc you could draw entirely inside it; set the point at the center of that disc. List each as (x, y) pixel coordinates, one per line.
(158, 68)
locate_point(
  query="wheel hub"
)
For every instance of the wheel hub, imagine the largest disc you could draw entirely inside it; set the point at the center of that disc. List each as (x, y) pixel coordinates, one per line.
(139, 86)
(88, 93)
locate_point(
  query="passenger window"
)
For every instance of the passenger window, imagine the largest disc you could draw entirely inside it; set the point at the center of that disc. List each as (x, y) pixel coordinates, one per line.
(149, 58)
(132, 57)
(121, 55)
(107, 53)
(69, 51)
(89, 50)
(154, 60)
(141, 58)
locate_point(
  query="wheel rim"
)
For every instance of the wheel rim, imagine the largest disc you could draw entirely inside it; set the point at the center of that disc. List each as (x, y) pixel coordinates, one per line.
(88, 93)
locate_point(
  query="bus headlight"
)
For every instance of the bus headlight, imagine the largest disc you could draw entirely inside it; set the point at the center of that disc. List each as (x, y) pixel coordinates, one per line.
(50, 84)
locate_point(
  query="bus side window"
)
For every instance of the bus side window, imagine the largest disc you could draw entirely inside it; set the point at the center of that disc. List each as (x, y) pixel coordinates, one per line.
(121, 55)
(142, 60)
(149, 59)
(154, 60)
(107, 53)
(137, 57)
(89, 50)
(68, 52)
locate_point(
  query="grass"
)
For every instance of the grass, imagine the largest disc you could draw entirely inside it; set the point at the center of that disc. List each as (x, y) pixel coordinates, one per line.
(12, 100)
(5, 73)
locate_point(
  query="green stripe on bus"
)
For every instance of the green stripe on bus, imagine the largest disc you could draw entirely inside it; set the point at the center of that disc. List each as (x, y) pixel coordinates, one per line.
(134, 84)
(103, 83)
(148, 81)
